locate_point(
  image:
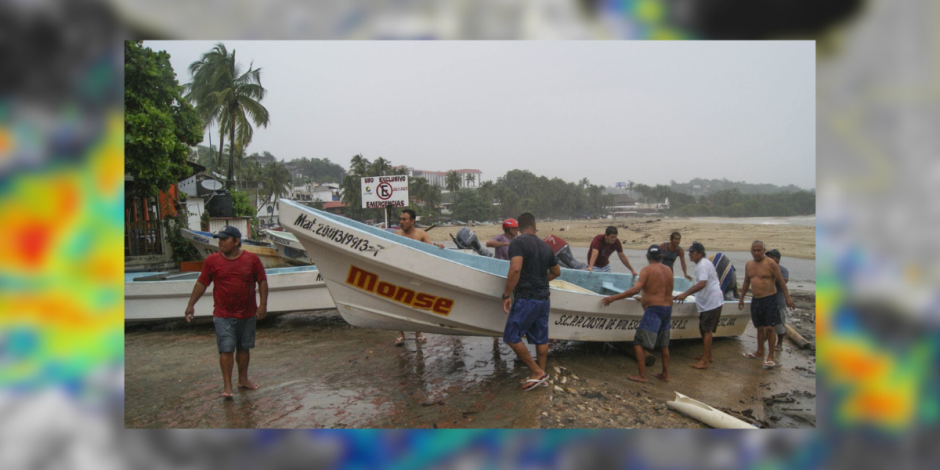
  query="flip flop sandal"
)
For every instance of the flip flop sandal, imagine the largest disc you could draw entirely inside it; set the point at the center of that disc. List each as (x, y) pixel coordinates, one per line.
(751, 356)
(769, 364)
(532, 384)
(399, 341)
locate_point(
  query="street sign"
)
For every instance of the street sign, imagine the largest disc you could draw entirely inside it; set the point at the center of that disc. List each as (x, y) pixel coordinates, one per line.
(384, 191)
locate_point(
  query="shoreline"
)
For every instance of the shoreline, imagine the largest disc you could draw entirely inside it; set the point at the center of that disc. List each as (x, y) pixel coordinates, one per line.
(793, 241)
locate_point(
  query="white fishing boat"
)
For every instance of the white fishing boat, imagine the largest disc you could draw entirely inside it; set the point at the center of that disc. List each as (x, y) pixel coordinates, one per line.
(206, 245)
(385, 281)
(155, 296)
(288, 247)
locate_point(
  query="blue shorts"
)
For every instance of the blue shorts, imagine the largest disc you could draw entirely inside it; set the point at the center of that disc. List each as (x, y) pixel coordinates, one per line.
(530, 318)
(654, 328)
(605, 269)
(234, 333)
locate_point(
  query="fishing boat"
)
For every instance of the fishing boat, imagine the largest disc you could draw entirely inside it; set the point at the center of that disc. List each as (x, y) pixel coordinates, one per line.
(206, 245)
(288, 247)
(385, 281)
(155, 296)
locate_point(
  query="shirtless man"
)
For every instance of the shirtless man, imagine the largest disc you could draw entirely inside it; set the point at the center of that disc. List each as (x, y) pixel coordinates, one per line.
(407, 223)
(760, 274)
(656, 284)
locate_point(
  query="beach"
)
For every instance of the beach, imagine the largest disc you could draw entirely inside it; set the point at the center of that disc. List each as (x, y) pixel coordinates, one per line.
(317, 371)
(794, 237)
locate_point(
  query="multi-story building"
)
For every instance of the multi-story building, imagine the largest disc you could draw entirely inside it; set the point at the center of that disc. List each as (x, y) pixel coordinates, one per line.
(439, 178)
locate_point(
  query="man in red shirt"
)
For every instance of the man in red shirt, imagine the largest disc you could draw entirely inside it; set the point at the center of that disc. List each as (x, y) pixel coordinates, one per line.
(235, 273)
(602, 247)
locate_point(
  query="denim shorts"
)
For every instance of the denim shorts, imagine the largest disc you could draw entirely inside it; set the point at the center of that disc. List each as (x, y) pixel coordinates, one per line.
(530, 318)
(234, 333)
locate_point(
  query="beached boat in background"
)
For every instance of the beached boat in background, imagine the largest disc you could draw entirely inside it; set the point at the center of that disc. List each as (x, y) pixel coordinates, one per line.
(288, 247)
(155, 296)
(385, 281)
(206, 245)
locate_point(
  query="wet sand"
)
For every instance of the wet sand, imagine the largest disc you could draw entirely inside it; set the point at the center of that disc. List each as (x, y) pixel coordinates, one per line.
(794, 238)
(316, 371)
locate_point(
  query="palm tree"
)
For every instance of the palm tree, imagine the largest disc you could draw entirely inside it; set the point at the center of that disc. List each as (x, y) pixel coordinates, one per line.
(452, 181)
(417, 187)
(197, 91)
(630, 186)
(470, 178)
(584, 183)
(274, 179)
(379, 167)
(238, 153)
(225, 95)
(358, 165)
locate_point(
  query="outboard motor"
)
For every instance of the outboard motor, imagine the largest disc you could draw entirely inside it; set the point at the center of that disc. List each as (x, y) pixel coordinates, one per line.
(563, 253)
(467, 240)
(726, 276)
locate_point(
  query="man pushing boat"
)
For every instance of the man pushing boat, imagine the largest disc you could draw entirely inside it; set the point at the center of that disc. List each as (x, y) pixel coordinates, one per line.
(532, 264)
(406, 222)
(656, 284)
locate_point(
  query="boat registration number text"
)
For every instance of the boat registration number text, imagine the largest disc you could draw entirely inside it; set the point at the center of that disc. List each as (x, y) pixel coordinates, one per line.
(332, 233)
(595, 323)
(370, 282)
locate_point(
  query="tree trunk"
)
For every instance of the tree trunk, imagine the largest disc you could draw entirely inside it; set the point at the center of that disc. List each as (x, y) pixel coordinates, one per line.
(221, 144)
(231, 154)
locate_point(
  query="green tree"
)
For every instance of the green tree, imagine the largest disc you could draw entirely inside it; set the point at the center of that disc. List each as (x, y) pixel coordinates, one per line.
(274, 181)
(159, 126)
(452, 181)
(470, 207)
(470, 178)
(225, 95)
(380, 167)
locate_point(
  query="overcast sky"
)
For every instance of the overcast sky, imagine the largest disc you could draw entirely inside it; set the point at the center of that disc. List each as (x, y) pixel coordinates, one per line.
(646, 111)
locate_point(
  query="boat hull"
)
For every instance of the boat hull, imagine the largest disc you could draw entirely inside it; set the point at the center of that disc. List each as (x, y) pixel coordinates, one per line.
(289, 248)
(206, 245)
(381, 282)
(289, 290)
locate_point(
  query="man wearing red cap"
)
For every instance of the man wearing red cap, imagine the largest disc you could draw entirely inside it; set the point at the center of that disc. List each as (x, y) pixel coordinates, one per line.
(501, 242)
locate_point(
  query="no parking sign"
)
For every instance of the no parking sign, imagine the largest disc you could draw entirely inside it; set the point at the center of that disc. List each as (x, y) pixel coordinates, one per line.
(384, 191)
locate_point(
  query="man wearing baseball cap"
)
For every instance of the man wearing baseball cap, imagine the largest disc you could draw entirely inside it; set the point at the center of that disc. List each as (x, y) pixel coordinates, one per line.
(656, 283)
(501, 242)
(708, 300)
(235, 273)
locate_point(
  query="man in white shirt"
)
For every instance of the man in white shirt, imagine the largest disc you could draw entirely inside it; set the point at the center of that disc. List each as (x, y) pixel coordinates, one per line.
(708, 300)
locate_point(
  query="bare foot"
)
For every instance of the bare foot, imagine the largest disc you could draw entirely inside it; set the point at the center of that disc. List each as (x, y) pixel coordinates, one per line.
(249, 385)
(637, 378)
(661, 376)
(227, 394)
(699, 365)
(699, 358)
